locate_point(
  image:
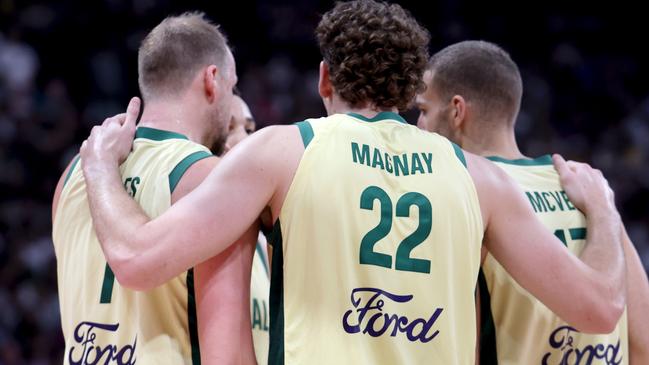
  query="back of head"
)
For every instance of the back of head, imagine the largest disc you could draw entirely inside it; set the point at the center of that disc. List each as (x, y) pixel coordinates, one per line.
(175, 50)
(376, 53)
(483, 74)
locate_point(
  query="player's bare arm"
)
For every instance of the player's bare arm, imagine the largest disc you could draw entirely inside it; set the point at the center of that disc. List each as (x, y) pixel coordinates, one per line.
(218, 284)
(146, 252)
(595, 283)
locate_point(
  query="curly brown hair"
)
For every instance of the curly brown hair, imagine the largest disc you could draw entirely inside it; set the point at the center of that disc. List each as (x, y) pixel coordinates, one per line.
(376, 53)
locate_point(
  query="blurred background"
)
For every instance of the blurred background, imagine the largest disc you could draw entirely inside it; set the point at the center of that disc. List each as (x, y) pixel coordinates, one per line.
(66, 65)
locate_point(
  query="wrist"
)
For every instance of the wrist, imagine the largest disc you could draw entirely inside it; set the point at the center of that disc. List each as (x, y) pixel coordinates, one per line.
(98, 166)
(603, 211)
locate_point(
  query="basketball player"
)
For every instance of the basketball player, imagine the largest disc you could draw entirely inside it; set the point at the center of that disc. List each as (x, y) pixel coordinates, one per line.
(186, 76)
(473, 96)
(378, 225)
(241, 124)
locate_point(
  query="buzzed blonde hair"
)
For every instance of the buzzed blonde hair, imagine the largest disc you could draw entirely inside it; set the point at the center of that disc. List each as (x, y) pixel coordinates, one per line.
(172, 53)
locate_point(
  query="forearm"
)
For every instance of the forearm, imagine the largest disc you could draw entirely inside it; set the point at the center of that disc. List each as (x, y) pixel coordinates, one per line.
(223, 304)
(111, 208)
(604, 254)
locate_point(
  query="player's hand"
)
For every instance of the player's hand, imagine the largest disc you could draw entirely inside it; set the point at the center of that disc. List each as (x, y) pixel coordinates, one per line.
(110, 143)
(586, 187)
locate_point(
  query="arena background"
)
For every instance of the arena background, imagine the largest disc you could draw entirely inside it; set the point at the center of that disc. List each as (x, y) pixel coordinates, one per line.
(66, 65)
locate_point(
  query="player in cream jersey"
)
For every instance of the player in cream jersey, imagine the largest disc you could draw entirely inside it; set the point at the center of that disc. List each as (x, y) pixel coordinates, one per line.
(473, 97)
(408, 214)
(102, 321)
(542, 338)
(202, 315)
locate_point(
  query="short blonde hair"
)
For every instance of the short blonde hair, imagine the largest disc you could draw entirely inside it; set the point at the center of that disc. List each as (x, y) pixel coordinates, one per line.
(175, 50)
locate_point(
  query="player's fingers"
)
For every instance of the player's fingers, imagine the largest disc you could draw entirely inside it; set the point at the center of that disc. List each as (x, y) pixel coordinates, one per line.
(561, 165)
(132, 112)
(573, 165)
(94, 131)
(117, 119)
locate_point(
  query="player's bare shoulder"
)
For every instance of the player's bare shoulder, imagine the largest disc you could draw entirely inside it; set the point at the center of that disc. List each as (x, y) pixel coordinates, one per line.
(489, 180)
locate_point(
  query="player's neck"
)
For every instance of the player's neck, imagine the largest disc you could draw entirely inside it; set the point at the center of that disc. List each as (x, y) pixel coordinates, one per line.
(502, 144)
(338, 106)
(174, 117)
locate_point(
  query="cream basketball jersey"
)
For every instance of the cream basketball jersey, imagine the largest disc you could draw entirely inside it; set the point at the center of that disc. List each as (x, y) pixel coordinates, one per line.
(103, 322)
(259, 291)
(526, 331)
(377, 247)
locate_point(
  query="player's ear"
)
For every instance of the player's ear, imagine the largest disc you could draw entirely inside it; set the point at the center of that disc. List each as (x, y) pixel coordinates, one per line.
(458, 110)
(210, 79)
(324, 83)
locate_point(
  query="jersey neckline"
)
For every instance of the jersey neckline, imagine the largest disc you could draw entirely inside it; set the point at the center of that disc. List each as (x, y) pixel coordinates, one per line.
(538, 161)
(379, 117)
(157, 134)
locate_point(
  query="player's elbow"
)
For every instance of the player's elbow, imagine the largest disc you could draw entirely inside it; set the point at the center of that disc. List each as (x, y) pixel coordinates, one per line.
(602, 316)
(131, 279)
(131, 271)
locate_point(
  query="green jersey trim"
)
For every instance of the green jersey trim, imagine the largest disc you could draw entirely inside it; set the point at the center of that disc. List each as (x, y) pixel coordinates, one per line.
(74, 164)
(157, 134)
(191, 319)
(539, 161)
(306, 131)
(181, 168)
(379, 117)
(107, 286)
(459, 153)
(260, 252)
(276, 343)
(488, 351)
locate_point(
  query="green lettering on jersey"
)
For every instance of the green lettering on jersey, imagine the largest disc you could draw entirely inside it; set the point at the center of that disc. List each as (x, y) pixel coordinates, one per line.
(256, 315)
(130, 185)
(416, 164)
(428, 159)
(363, 157)
(537, 202)
(547, 201)
(399, 166)
(388, 163)
(265, 315)
(557, 198)
(568, 202)
(377, 160)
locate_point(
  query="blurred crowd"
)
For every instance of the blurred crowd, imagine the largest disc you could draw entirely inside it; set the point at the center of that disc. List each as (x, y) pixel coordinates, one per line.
(65, 66)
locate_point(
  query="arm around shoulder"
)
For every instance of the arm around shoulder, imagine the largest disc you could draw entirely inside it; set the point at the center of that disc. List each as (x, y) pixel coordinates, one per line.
(588, 294)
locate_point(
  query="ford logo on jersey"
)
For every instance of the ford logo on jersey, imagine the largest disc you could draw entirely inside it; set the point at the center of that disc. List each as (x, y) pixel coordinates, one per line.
(369, 317)
(562, 340)
(90, 353)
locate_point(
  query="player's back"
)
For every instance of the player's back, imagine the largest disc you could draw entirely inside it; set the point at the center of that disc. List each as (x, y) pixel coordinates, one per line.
(377, 248)
(103, 322)
(526, 331)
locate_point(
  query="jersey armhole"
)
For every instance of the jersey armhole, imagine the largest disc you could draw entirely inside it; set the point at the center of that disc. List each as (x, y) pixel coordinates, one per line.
(488, 349)
(71, 170)
(306, 131)
(182, 166)
(174, 178)
(459, 153)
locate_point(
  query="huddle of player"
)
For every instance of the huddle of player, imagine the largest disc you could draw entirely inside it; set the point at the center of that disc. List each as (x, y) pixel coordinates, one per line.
(390, 244)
